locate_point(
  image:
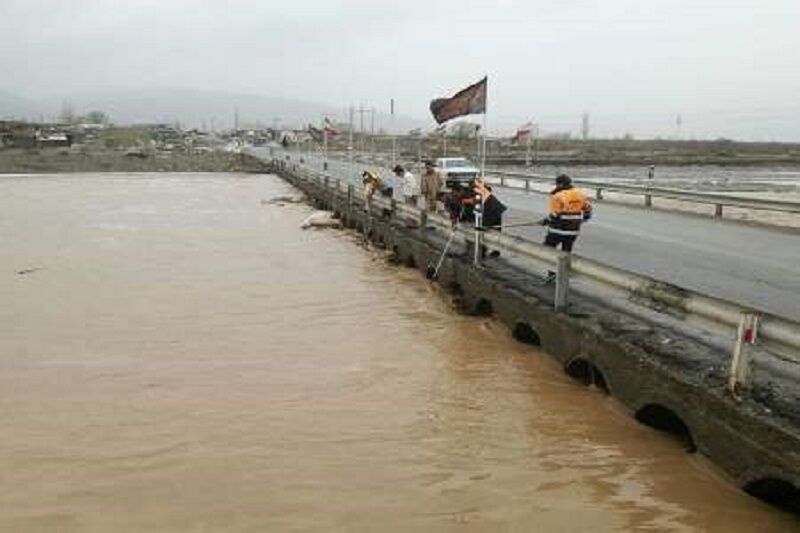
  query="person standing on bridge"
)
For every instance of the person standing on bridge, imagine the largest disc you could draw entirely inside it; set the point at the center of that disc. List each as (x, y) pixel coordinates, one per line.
(410, 185)
(431, 186)
(491, 211)
(372, 183)
(568, 208)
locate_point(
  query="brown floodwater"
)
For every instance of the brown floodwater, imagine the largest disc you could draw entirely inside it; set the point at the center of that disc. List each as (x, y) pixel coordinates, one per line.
(177, 355)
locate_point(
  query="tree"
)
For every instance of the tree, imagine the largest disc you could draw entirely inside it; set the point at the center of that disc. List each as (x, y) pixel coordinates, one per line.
(96, 117)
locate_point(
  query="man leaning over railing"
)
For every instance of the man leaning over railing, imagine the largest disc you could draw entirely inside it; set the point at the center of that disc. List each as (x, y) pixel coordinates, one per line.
(568, 209)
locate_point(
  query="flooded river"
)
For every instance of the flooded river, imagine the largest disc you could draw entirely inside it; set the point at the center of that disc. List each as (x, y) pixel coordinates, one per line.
(177, 355)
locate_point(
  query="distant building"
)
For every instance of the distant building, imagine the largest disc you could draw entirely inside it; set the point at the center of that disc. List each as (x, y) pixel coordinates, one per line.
(52, 139)
(14, 134)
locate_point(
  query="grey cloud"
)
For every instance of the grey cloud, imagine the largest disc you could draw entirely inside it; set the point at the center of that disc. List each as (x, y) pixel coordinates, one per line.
(729, 67)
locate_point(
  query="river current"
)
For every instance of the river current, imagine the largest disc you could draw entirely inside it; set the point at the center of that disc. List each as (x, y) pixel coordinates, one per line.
(178, 355)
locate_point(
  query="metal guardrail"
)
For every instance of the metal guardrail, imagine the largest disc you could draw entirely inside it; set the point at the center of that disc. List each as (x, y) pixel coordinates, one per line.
(506, 178)
(718, 200)
(774, 332)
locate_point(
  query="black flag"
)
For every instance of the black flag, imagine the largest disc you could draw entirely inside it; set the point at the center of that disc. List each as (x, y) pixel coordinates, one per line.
(469, 101)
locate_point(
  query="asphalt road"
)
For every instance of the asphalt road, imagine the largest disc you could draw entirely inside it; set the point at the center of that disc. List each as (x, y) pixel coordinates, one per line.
(757, 266)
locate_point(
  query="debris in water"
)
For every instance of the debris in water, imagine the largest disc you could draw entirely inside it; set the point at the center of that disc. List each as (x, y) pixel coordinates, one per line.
(282, 200)
(321, 219)
(28, 271)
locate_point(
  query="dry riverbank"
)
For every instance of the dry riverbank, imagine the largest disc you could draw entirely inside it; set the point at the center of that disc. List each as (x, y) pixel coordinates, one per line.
(58, 160)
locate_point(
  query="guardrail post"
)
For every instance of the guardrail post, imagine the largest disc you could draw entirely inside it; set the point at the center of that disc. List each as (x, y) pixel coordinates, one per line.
(648, 200)
(392, 207)
(423, 219)
(527, 185)
(562, 281)
(502, 181)
(718, 211)
(739, 372)
(349, 196)
(599, 193)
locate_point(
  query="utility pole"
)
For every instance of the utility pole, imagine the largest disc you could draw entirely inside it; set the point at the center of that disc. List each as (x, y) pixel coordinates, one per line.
(528, 147)
(372, 131)
(350, 139)
(236, 119)
(394, 140)
(585, 126)
(361, 110)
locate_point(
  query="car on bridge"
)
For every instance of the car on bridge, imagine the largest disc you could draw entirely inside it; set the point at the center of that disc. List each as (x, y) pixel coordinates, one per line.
(455, 170)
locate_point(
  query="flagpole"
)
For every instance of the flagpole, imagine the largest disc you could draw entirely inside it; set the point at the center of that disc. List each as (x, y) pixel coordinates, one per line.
(479, 216)
(477, 143)
(485, 113)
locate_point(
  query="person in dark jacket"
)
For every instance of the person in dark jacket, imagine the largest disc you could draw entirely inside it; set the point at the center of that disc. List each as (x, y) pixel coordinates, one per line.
(492, 210)
(460, 204)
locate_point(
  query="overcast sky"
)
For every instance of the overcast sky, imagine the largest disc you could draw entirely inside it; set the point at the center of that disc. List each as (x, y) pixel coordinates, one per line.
(729, 67)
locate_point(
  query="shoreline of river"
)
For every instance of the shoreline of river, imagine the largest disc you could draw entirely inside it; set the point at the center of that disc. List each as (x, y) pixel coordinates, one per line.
(65, 160)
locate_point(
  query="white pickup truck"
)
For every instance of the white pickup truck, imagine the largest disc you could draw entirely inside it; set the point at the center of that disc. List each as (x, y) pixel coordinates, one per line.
(455, 170)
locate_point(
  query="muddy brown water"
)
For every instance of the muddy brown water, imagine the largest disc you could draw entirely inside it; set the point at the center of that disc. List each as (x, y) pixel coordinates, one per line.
(177, 355)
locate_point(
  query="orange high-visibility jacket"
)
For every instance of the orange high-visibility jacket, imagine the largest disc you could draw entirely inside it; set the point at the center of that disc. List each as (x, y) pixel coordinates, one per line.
(568, 208)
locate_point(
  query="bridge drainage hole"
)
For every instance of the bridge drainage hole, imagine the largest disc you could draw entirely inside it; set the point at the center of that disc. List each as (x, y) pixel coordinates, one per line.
(777, 492)
(394, 257)
(483, 308)
(526, 334)
(659, 417)
(410, 262)
(587, 373)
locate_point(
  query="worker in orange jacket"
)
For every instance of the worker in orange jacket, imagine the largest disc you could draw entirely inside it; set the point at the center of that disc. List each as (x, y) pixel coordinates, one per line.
(569, 208)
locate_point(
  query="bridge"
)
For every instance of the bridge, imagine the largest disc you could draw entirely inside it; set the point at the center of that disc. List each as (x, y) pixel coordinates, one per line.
(677, 357)
(755, 265)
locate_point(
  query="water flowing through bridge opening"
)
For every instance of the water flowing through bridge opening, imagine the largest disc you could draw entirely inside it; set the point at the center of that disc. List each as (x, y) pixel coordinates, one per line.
(587, 373)
(777, 492)
(524, 333)
(664, 419)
